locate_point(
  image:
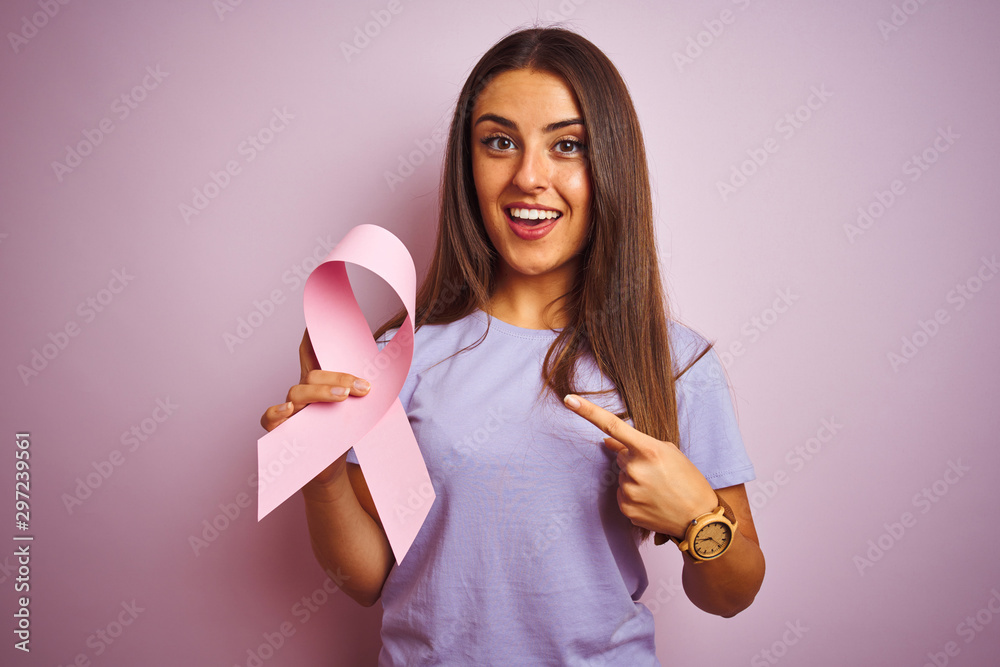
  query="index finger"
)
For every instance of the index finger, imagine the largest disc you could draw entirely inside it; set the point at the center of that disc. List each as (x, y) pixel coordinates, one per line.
(602, 419)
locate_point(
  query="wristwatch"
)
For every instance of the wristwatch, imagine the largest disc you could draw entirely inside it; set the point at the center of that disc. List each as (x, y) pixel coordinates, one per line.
(708, 536)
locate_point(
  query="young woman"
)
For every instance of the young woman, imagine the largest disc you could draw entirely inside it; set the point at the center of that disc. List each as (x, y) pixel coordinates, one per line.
(562, 414)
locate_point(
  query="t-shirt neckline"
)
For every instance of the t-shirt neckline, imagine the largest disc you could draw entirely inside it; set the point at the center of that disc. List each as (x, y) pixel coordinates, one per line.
(513, 330)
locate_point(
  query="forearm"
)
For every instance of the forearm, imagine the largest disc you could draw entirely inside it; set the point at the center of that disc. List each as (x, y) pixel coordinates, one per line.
(346, 539)
(727, 585)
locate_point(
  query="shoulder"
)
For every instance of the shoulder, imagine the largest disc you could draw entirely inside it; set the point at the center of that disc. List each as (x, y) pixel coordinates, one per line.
(687, 346)
(709, 430)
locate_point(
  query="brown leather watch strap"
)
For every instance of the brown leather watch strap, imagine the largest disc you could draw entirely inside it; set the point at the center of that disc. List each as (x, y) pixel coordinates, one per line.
(727, 511)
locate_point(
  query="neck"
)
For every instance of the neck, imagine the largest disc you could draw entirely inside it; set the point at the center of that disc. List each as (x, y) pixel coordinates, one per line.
(531, 302)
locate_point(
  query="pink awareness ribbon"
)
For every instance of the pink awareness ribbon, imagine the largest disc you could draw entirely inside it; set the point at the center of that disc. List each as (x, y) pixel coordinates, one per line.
(376, 424)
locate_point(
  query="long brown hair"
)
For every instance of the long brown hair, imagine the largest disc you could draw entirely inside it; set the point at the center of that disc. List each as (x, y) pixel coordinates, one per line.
(616, 310)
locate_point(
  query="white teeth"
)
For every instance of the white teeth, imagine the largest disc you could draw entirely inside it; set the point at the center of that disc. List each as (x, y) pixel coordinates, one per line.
(533, 214)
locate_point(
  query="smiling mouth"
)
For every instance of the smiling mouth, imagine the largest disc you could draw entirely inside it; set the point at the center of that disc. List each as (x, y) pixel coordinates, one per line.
(532, 216)
(532, 224)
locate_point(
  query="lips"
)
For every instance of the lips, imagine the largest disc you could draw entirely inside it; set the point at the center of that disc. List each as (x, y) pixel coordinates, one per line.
(531, 223)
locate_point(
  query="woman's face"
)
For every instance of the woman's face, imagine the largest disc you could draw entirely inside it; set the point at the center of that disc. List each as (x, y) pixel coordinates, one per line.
(529, 161)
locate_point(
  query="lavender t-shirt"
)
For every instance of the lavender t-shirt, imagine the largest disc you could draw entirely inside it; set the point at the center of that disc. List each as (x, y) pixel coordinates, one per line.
(525, 558)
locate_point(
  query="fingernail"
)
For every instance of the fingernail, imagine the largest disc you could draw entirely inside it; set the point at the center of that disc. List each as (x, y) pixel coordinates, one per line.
(572, 401)
(362, 385)
(285, 407)
(339, 391)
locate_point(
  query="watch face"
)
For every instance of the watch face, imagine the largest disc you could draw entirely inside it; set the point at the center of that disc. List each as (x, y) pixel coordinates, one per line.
(712, 540)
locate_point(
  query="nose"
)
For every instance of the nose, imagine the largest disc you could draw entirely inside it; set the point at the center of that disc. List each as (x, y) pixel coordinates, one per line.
(534, 172)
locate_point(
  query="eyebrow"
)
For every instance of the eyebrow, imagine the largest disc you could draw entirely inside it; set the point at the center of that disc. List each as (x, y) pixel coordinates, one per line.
(506, 122)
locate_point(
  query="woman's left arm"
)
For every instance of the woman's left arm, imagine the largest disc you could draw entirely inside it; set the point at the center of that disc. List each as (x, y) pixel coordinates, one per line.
(728, 584)
(661, 490)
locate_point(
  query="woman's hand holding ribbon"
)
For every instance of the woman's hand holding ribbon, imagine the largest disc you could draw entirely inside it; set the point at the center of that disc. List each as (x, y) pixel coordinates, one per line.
(315, 386)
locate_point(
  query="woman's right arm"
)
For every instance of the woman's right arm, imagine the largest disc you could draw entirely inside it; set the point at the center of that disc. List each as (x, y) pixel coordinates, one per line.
(344, 527)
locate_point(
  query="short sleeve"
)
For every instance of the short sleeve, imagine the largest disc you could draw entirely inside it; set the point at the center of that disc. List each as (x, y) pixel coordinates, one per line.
(710, 436)
(381, 342)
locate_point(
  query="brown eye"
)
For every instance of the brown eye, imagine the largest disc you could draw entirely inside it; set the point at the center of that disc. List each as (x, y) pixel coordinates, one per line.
(569, 147)
(498, 143)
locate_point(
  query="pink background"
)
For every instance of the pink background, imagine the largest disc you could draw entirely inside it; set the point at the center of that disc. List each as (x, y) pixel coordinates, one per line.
(897, 430)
